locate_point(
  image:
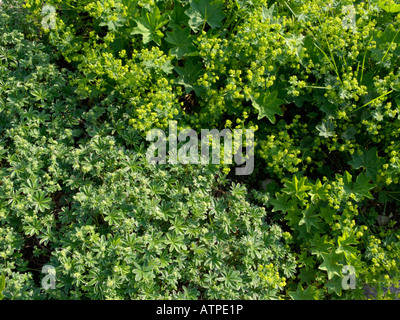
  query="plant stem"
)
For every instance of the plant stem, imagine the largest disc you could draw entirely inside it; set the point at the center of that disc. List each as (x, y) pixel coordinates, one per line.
(381, 96)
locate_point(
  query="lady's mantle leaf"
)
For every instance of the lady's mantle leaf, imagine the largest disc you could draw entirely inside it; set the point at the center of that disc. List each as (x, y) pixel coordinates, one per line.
(326, 129)
(189, 75)
(310, 293)
(310, 218)
(389, 6)
(330, 264)
(202, 11)
(178, 18)
(368, 160)
(361, 188)
(268, 105)
(149, 26)
(182, 42)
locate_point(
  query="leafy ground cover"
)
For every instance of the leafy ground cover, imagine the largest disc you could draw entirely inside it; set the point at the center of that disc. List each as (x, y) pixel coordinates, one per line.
(83, 82)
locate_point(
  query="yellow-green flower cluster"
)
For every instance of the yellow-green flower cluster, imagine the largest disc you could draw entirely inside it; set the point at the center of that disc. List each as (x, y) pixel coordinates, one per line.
(383, 263)
(281, 149)
(271, 277)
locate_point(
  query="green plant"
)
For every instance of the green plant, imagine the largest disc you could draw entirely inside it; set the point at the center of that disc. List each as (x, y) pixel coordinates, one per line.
(329, 222)
(318, 82)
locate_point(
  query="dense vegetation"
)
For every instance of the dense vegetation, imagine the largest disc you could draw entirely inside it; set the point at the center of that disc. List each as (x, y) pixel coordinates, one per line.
(319, 83)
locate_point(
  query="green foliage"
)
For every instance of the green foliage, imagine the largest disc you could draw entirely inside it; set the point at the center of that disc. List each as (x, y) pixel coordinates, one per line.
(317, 80)
(78, 194)
(389, 6)
(368, 160)
(2, 285)
(329, 222)
(149, 26)
(268, 105)
(203, 11)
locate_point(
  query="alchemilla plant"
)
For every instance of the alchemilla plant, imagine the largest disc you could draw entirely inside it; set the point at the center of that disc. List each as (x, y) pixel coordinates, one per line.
(84, 83)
